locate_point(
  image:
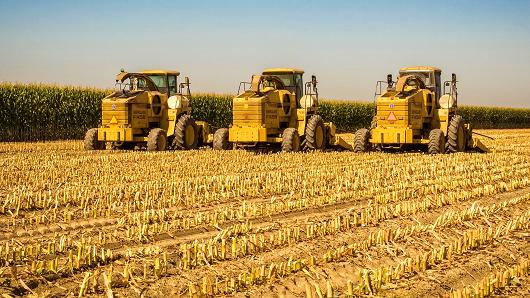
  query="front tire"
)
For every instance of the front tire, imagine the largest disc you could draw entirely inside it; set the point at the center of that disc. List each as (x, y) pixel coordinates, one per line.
(157, 140)
(456, 139)
(186, 134)
(290, 140)
(220, 139)
(91, 140)
(315, 133)
(436, 142)
(362, 140)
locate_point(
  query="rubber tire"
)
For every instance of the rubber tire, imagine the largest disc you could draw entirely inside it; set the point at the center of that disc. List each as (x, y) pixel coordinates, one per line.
(91, 140)
(179, 140)
(456, 137)
(290, 140)
(362, 140)
(314, 123)
(156, 135)
(436, 142)
(220, 139)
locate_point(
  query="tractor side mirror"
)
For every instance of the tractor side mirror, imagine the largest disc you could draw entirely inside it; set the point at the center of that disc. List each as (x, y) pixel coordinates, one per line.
(186, 80)
(453, 78)
(314, 80)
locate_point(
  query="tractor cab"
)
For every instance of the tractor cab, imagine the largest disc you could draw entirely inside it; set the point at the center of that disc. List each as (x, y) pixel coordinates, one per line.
(291, 78)
(166, 81)
(261, 84)
(431, 77)
(163, 81)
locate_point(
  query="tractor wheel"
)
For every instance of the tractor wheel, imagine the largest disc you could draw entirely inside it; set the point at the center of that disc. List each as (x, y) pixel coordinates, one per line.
(157, 140)
(362, 140)
(186, 134)
(290, 140)
(220, 139)
(315, 133)
(91, 140)
(456, 139)
(436, 142)
(374, 123)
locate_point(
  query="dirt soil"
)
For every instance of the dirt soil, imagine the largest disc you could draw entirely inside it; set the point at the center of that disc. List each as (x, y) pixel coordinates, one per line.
(139, 224)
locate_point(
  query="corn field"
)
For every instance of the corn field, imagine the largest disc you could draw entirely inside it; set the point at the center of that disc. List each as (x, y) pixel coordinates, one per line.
(206, 223)
(45, 112)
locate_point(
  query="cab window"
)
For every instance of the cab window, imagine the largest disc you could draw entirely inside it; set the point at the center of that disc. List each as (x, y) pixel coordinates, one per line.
(160, 82)
(172, 81)
(287, 79)
(438, 86)
(299, 83)
(293, 83)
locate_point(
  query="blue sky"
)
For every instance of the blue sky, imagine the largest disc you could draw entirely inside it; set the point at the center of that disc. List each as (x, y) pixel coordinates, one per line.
(349, 45)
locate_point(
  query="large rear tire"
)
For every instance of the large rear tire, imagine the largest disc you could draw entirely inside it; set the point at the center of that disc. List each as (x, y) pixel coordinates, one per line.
(157, 140)
(315, 133)
(220, 139)
(290, 140)
(456, 138)
(436, 142)
(91, 140)
(186, 134)
(362, 140)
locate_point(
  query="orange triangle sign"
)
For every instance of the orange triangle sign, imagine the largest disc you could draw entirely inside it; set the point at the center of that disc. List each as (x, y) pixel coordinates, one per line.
(391, 117)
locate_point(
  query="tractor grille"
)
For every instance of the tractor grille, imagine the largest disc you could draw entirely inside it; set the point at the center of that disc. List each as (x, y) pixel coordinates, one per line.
(113, 113)
(392, 113)
(247, 113)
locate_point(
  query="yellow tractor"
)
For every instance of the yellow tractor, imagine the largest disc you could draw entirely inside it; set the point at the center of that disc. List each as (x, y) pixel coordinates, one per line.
(150, 110)
(417, 111)
(278, 109)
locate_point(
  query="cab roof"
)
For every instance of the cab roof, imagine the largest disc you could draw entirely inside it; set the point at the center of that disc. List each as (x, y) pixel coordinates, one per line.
(420, 68)
(283, 70)
(161, 71)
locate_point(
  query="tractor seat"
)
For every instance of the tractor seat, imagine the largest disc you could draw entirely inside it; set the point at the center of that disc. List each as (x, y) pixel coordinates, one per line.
(308, 101)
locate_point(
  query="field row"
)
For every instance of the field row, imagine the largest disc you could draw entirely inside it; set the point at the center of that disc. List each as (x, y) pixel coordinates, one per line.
(239, 223)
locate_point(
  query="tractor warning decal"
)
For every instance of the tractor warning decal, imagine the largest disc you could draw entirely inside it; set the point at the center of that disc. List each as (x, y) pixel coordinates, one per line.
(391, 117)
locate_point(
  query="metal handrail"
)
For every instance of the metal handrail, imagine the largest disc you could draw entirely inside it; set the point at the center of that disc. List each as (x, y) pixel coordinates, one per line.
(244, 86)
